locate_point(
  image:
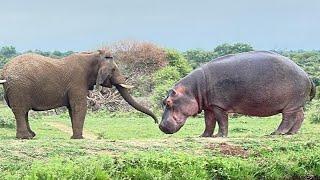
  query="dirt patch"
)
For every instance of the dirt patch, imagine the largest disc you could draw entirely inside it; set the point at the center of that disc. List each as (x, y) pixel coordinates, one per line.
(66, 129)
(229, 149)
(232, 150)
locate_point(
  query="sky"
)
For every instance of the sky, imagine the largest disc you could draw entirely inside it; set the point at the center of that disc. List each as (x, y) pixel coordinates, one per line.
(181, 24)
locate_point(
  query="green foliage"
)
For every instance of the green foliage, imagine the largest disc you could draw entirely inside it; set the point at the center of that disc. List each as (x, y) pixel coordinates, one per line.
(54, 54)
(314, 112)
(8, 51)
(164, 79)
(3, 61)
(7, 122)
(176, 59)
(196, 57)
(226, 49)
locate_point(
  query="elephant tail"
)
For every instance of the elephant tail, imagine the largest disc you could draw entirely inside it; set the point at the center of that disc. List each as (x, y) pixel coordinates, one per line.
(313, 90)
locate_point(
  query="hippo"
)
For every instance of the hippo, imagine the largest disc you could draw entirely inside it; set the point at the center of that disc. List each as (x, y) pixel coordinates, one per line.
(255, 83)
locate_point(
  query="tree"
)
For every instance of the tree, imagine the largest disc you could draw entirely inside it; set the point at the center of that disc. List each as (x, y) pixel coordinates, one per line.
(196, 57)
(226, 49)
(8, 51)
(3, 61)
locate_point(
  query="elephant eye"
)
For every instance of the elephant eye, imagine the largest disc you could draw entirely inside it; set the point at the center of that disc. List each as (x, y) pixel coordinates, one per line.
(109, 57)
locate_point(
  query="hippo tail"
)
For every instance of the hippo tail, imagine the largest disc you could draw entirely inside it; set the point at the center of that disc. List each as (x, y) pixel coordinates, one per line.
(313, 89)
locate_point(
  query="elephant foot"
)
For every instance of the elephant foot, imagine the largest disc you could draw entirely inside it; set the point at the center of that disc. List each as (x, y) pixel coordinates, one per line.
(32, 133)
(77, 137)
(24, 135)
(206, 134)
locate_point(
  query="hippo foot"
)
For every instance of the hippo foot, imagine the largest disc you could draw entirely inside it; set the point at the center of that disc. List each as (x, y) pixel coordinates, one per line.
(220, 135)
(291, 133)
(206, 134)
(77, 137)
(24, 135)
(277, 133)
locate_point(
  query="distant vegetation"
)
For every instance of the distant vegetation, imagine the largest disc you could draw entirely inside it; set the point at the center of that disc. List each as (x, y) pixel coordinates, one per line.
(153, 70)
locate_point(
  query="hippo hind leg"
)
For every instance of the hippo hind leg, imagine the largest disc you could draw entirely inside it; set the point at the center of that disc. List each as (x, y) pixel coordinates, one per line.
(298, 123)
(291, 122)
(222, 119)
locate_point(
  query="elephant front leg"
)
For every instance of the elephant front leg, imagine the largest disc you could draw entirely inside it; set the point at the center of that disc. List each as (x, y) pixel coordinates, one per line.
(22, 126)
(210, 123)
(222, 118)
(77, 112)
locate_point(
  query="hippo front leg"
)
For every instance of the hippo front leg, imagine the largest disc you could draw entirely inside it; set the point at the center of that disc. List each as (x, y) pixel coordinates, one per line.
(210, 122)
(222, 118)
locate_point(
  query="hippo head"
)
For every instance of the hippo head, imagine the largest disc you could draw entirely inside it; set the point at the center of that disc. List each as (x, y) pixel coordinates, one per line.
(179, 105)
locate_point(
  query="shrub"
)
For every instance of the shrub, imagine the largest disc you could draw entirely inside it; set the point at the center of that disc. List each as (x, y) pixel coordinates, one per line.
(313, 113)
(164, 80)
(177, 60)
(137, 61)
(6, 122)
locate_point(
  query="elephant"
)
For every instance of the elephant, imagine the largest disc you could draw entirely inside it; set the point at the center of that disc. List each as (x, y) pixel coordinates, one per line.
(35, 82)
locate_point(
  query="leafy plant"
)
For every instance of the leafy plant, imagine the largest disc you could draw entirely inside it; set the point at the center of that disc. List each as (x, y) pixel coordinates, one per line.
(6, 122)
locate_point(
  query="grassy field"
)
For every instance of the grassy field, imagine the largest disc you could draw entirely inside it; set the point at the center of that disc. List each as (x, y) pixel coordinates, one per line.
(130, 146)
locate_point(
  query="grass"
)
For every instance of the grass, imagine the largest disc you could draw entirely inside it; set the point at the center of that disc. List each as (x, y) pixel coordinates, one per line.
(130, 146)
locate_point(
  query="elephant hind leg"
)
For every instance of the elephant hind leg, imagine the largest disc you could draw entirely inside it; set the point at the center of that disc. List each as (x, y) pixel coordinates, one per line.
(289, 120)
(28, 126)
(22, 125)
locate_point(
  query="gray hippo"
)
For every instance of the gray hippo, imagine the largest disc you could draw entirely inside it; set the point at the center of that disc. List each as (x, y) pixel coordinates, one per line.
(257, 83)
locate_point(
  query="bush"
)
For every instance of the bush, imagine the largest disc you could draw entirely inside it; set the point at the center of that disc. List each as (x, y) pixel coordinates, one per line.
(6, 122)
(164, 80)
(137, 61)
(3, 61)
(177, 60)
(313, 113)
(197, 57)
(225, 49)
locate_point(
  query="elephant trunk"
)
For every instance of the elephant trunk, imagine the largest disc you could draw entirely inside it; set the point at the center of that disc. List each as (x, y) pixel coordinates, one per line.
(127, 97)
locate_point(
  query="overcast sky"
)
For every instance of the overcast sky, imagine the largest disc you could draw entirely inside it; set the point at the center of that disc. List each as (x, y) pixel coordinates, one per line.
(182, 24)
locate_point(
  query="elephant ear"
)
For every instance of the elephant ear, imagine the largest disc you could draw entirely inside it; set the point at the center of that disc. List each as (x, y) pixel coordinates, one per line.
(101, 77)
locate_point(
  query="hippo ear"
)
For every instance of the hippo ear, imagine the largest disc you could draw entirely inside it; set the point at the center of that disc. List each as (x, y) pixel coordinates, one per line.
(173, 92)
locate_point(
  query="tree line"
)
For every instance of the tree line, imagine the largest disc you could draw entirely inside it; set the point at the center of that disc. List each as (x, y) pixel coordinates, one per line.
(153, 69)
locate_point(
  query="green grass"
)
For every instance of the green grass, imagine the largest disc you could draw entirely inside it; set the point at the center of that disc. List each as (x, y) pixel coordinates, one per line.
(130, 146)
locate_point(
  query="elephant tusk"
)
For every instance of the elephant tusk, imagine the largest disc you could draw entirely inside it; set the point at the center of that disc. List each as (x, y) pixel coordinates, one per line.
(3, 81)
(126, 86)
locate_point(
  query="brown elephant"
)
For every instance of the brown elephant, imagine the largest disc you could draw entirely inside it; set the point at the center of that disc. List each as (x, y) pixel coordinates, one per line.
(35, 82)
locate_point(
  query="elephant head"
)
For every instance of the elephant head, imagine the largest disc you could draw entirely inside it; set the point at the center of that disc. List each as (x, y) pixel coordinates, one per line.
(109, 75)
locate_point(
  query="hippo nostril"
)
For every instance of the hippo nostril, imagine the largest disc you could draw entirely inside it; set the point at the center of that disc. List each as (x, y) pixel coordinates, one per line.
(165, 129)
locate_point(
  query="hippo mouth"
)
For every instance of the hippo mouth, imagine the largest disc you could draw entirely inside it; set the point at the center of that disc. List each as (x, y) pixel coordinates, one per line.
(171, 126)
